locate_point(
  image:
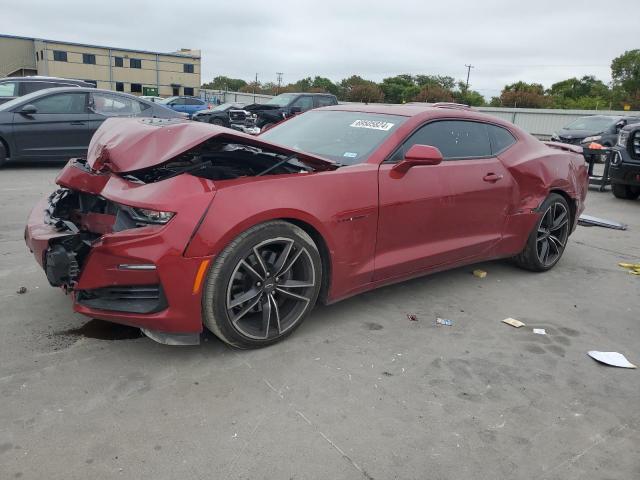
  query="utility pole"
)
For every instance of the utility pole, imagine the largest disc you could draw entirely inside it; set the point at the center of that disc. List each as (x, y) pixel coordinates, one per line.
(279, 74)
(469, 67)
(255, 85)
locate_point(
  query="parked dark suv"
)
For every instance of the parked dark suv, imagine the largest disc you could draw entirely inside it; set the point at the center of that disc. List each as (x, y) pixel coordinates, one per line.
(12, 87)
(624, 168)
(262, 116)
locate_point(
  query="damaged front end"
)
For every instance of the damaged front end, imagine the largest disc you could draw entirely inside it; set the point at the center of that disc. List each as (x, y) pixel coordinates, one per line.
(115, 232)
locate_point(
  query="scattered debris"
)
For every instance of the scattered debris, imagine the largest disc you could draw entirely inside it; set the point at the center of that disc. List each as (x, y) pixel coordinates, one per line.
(387, 374)
(479, 273)
(633, 268)
(614, 359)
(513, 322)
(412, 317)
(21, 290)
(443, 321)
(540, 331)
(591, 221)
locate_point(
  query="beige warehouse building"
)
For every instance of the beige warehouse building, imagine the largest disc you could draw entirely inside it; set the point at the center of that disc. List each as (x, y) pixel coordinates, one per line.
(133, 71)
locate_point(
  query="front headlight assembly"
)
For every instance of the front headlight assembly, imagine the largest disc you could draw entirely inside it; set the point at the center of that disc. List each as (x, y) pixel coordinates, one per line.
(147, 216)
(623, 136)
(594, 138)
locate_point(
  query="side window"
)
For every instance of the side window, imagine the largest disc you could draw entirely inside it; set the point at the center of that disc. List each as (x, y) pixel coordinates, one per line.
(325, 101)
(501, 139)
(115, 106)
(305, 103)
(61, 103)
(8, 89)
(194, 101)
(456, 139)
(179, 101)
(29, 87)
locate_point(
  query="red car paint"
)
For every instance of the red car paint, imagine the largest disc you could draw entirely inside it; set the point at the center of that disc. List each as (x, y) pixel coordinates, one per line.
(376, 225)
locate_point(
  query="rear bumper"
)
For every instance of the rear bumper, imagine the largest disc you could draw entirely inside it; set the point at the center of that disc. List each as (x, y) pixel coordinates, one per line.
(178, 306)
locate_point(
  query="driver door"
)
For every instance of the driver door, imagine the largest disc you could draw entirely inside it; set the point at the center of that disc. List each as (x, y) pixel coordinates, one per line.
(56, 131)
(440, 214)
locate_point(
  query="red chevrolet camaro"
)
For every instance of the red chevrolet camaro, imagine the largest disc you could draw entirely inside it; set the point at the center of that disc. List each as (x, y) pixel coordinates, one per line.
(170, 225)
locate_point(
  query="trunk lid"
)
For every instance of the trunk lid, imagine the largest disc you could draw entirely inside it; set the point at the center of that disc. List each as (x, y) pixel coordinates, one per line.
(124, 145)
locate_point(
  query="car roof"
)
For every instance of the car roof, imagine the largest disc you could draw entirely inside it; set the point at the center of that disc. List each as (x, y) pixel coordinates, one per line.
(42, 79)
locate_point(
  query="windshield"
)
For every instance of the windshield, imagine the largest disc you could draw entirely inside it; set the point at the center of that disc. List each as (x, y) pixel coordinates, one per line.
(282, 100)
(344, 137)
(595, 124)
(225, 106)
(164, 101)
(25, 98)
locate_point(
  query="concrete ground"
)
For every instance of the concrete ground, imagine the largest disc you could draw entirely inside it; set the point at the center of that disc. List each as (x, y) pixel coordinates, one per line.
(358, 392)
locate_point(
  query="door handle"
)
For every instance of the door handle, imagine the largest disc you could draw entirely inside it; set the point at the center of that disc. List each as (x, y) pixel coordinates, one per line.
(492, 177)
(77, 123)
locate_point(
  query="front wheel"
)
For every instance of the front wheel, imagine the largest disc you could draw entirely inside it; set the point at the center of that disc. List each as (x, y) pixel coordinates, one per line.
(217, 121)
(3, 154)
(262, 286)
(547, 241)
(626, 192)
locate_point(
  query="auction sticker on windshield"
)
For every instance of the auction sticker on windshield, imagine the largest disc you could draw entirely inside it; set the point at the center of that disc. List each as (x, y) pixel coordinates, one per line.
(372, 124)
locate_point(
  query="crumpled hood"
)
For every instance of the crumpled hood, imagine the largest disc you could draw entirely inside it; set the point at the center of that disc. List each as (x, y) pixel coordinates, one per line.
(129, 144)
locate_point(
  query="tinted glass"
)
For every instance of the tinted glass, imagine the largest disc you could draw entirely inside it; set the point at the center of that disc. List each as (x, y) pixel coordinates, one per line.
(345, 137)
(188, 91)
(135, 63)
(596, 123)
(136, 87)
(119, 87)
(89, 58)
(61, 103)
(188, 68)
(28, 87)
(454, 138)
(119, 62)
(281, 100)
(59, 56)
(8, 89)
(501, 139)
(115, 105)
(325, 101)
(194, 101)
(179, 101)
(305, 103)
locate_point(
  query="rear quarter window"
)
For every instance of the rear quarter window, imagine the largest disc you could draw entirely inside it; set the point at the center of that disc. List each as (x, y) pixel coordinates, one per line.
(501, 139)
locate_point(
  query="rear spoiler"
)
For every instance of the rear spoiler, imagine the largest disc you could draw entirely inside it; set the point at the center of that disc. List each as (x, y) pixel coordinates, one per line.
(564, 146)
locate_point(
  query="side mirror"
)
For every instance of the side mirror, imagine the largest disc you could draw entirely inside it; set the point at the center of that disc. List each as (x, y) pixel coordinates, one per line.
(295, 110)
(620, 125)
(418, 155)
(28, 110)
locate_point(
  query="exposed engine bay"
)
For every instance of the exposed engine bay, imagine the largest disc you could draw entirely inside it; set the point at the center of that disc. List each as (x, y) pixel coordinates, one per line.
(216, 160)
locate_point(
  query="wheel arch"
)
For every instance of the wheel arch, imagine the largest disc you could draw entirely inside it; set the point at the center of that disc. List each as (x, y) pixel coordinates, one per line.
(325, 254)
(5, 144)
(573, 207)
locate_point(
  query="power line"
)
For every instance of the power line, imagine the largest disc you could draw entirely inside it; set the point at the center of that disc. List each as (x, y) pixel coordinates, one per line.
(279, 74)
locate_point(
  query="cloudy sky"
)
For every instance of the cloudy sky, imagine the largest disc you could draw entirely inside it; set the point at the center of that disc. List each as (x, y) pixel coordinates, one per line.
(542, 41)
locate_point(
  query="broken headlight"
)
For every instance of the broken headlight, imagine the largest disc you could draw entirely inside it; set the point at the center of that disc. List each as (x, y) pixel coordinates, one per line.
(145, 215)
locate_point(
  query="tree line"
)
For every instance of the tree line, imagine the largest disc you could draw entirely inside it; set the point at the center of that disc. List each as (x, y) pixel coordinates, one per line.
(587, 92)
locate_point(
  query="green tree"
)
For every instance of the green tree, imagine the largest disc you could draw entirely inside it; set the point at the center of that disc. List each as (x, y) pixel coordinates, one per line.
(625, 72)
(434, 93)
(584, 93)
(399, 89)
(225, 83)
(367, 92)
(322, 84)
(524, 95)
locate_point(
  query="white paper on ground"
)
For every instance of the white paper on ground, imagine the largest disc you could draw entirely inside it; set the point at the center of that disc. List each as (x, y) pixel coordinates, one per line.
(540, 331)
(611, 358)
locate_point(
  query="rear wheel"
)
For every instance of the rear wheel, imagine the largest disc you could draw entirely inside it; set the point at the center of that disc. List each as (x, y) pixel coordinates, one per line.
(3, 154)
(626, 192)
(262, 286)
(547, 241)
(216, 121)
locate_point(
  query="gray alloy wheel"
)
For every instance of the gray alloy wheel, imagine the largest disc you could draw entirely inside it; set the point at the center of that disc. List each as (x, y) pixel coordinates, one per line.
(270, 288)
(262, 285)
(548, 240)
(552, 234)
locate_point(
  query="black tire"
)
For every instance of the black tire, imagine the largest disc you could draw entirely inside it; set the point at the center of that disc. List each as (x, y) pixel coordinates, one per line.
(552, 230)
(269, 290)
(626, 192)
(3, 154)
(267, 126)
(216, 121)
